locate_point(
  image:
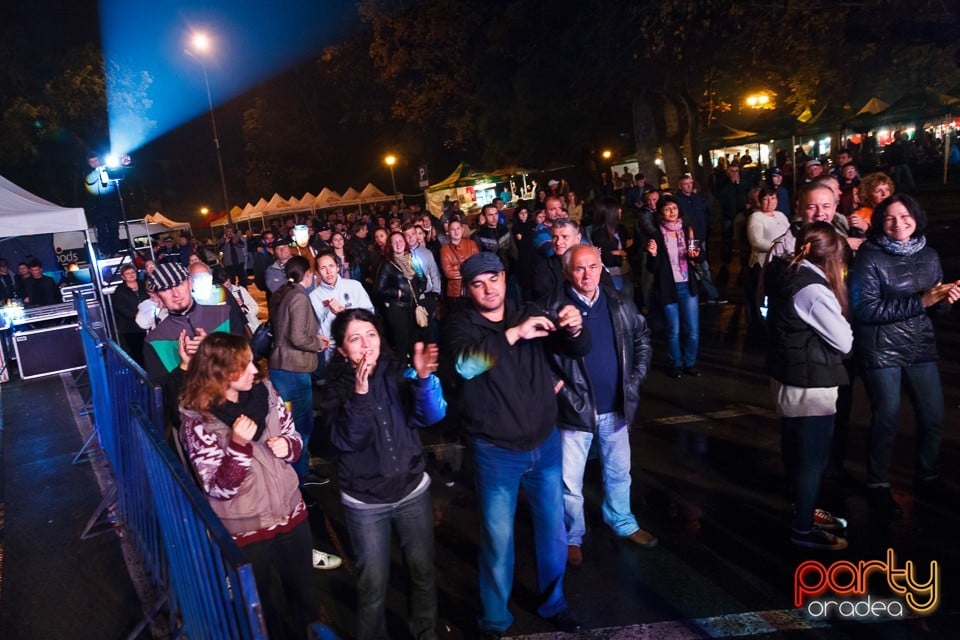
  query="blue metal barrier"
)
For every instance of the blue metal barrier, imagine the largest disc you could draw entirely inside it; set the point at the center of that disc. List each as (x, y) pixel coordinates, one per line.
(210, 583)
(189, 558)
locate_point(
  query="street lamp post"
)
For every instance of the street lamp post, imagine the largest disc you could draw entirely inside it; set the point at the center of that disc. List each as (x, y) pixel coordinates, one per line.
(201, 45)
(392, 160)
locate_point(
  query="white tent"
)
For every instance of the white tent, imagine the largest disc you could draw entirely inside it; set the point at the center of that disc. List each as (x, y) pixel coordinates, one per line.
(327, 198)
(24, 214)
(371, 194)
(153, 224)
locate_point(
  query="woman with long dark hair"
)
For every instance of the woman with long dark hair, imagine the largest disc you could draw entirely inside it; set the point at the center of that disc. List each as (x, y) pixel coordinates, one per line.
(808, 337)
(241, 441)
(376, 407)
(612, 239)
(524, 228)
(345, 267)
(896, 285)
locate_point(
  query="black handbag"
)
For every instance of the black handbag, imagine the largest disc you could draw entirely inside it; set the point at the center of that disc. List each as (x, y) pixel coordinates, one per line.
(262, 341)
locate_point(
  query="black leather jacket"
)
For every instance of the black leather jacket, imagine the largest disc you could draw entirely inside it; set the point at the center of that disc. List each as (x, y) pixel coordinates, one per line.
(576, 405)
(891, 327)
(393, 289)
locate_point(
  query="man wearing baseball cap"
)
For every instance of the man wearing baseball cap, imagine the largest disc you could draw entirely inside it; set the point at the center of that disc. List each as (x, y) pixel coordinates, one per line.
(508, 403)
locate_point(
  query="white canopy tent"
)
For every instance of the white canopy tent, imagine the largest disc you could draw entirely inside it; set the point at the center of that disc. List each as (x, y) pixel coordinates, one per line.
(325, 199)
(24, 214)
(153, 224)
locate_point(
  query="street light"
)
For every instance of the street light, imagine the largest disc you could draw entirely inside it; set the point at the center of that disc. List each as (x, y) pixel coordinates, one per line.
(760, 100)
(201, 47)
(392, 160)
(204, 211)
(606, 154)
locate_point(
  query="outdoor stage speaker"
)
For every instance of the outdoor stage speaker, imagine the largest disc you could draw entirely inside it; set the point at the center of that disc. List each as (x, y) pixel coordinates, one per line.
(48, 351)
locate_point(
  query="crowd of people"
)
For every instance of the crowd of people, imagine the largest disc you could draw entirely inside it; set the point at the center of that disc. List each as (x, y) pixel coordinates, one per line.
(525, 330)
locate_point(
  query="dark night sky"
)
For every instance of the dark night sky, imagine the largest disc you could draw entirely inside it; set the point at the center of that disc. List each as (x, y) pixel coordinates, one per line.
(177, 170)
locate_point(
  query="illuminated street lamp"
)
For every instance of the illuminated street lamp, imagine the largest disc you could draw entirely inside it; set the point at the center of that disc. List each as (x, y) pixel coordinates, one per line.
(204, 211)
(201, 47)
(392, 160)
(606, 154)
(760, 100)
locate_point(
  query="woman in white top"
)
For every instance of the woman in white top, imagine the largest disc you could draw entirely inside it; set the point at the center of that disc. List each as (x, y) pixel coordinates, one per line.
(763, 227)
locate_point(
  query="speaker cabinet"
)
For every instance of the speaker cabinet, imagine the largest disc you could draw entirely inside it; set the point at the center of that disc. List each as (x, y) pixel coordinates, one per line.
(45, 352)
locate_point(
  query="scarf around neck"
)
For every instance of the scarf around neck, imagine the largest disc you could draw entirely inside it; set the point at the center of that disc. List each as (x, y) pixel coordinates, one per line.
(904, 248)
(678, 250)
(255, 404)
(402, 260)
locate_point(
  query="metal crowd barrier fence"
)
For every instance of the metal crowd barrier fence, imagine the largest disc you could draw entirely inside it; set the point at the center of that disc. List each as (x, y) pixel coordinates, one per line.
(210, 582)
(190, 560)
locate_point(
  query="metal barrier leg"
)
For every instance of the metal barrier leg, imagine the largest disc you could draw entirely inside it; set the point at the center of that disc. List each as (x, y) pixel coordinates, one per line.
(89, 451)
(102, 516)
(148, 617)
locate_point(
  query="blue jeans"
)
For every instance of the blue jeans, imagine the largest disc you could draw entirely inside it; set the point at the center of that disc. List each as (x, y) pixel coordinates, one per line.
(922, 384)
(499, 474)
(805, 448)
(683, 321)
(614, 438)
(297, 390)
(370, 536)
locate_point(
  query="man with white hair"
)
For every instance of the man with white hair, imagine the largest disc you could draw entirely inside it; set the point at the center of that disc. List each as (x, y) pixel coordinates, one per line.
(599, 397)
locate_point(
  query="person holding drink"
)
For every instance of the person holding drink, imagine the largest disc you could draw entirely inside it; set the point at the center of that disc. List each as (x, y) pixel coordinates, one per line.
(674, 250)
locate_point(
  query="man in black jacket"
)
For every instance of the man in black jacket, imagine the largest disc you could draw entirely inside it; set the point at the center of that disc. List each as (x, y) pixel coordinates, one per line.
(507, 396)
(599, 398)
(40, 289)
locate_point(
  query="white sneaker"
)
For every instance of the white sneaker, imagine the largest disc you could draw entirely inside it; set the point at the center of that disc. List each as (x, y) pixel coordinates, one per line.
(325, 561)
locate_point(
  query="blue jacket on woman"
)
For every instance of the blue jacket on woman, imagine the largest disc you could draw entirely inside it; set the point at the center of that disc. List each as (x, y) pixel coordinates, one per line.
(380, 456)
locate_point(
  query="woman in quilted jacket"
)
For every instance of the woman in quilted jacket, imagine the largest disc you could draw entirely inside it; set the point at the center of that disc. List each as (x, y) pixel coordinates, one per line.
(896, 285)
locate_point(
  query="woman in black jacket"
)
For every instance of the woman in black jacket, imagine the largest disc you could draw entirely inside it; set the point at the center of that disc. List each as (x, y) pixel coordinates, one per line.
(612, 239)
(673, 252)
(126, 298)
(398, 287)
(376, 409)
(897, 283)
(523, 228)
